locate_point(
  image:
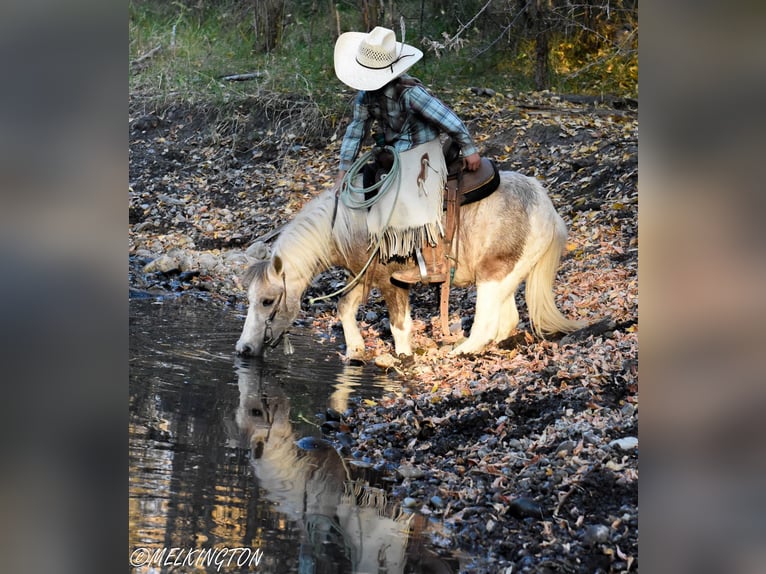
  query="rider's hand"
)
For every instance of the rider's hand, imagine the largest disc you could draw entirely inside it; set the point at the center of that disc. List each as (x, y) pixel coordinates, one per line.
(472, 162)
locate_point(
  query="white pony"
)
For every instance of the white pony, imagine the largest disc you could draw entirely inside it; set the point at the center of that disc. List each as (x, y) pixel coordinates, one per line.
(514, 234)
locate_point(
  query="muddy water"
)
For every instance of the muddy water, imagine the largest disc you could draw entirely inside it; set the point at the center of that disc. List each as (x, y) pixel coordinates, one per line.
(228, 470)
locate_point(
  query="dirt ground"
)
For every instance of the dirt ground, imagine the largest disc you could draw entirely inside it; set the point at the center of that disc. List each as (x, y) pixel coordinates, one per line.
(528, 453)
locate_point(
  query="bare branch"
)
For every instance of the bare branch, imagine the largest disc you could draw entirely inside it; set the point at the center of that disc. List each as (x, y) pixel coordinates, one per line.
(243, 77)
(146, 56)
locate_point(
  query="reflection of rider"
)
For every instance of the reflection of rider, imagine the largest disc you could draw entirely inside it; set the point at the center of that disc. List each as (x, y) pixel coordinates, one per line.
(408, 117)
(345, 523)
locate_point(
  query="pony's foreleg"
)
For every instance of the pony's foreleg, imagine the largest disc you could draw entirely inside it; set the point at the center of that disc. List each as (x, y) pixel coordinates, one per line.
(398, 303)
(348, 305)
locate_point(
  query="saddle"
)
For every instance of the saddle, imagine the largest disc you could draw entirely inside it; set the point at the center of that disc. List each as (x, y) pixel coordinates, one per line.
(469, 186)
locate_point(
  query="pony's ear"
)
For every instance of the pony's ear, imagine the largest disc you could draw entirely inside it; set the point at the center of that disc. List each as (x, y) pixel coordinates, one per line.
(258, 251)
(276, 262)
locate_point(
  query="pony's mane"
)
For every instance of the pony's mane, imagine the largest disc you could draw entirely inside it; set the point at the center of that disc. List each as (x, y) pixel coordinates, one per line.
(309, 241)
(309, 244)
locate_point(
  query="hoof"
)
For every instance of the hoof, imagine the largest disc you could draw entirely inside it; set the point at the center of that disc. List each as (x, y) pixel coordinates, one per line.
(466, 349)
(354, 355)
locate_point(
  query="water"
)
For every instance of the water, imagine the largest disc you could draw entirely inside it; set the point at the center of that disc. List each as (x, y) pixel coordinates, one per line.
(226, 455)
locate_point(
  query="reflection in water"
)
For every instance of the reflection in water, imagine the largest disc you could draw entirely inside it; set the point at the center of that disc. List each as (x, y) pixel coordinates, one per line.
(346, 524)
(194, 486)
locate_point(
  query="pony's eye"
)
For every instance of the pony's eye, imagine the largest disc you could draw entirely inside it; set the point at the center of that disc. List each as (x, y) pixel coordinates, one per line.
(267, 302)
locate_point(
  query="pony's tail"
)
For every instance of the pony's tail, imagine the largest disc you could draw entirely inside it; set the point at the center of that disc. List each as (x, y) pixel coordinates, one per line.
(543, 312)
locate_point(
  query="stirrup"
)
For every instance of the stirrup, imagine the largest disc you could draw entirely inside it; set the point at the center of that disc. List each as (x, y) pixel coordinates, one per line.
(419, 274)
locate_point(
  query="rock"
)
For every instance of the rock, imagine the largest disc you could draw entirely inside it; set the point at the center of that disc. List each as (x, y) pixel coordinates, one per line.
(144, 225)
(163, 264)
(144, 254)
(410, 471)
(625, 443)
(235, 257)
(565, 447)
(385, 361)
(456, 328)
(258, 251)
(207, 262)
(147, 122)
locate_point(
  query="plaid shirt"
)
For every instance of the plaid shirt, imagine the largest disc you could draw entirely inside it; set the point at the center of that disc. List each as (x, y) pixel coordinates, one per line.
(414, 118)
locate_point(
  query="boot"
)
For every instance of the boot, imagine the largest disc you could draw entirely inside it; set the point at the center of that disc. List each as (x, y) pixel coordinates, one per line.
(431, 266)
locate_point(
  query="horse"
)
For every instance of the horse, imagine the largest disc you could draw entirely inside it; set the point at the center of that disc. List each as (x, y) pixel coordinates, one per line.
(510, 236)
(342, 518)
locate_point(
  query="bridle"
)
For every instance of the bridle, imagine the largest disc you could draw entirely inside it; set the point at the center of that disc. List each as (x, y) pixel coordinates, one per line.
(268, 333)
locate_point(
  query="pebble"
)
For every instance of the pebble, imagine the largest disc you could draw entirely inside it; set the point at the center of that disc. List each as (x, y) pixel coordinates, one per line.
(409, 471)
(596, 534)
(312, 443)
(524, 507)
(437, 501)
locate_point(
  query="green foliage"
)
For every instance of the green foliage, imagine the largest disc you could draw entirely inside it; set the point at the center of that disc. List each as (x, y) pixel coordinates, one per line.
(203, 41)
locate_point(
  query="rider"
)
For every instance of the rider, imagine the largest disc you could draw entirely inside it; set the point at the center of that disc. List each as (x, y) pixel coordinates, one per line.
(409, 118)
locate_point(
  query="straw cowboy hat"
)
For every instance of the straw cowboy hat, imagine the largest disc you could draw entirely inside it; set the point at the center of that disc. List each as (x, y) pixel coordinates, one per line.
(369, 61)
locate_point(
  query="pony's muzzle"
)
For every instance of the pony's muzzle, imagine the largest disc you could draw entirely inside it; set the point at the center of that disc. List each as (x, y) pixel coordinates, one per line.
(245, 349)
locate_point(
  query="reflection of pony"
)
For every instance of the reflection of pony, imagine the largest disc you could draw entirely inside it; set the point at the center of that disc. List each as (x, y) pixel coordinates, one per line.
(314, 489)
(513, 235)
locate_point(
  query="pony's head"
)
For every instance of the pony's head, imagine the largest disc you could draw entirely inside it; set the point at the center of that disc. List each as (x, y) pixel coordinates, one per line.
(273, 306)
(262, 415)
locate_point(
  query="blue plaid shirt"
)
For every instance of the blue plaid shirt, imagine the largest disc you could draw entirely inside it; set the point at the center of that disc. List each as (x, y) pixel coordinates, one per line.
(415, 117)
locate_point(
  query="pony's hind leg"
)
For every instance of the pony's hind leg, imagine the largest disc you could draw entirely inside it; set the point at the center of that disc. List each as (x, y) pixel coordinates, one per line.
(398, 304)
(496, 313)
(348, 305)
(508, 318)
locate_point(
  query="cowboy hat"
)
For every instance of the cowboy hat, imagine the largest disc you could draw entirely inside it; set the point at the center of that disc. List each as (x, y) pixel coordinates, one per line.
(369, 61)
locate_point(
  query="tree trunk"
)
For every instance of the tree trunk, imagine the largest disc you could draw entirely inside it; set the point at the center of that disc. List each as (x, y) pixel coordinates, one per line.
(370, 14)
(539, 12)
(268, 20)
